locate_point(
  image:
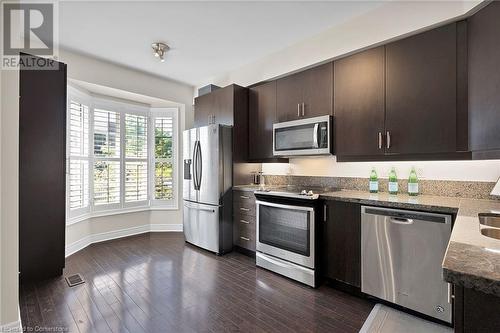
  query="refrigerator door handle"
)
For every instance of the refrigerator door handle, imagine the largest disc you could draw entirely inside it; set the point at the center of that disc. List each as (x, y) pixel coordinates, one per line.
(199, 164)
(195, 176)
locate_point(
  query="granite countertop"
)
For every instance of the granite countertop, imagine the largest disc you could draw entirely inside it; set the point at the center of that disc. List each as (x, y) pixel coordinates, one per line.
(471, 260)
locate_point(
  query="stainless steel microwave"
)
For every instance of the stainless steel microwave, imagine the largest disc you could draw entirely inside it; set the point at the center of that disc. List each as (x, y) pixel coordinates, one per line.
(311, 136)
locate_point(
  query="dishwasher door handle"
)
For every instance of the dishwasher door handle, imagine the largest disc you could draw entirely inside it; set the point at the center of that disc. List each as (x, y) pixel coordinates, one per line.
(399, 220)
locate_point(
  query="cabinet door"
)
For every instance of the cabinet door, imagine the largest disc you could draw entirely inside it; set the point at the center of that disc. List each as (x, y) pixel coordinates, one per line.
(359, 101)
(484, 79)
(421, 92)
(342, 242)
(317, 85)
(203, 107)
(223, 106)
(262, 115)
(289, 97)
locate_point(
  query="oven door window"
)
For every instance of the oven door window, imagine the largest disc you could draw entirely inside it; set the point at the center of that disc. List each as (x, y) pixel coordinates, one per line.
(285, 228)
(308, 136)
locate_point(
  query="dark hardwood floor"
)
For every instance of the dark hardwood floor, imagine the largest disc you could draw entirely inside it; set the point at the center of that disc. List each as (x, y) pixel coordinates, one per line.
(157, 283)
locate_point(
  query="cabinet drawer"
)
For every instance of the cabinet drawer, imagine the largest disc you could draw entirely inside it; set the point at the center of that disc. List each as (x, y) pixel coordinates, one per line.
(244, 220)
(244, 208)
(244, 203)
(243, 196)
(245, 237)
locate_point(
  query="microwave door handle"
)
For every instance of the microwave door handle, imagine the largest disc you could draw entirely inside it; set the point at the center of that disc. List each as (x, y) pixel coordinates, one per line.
(315, 135)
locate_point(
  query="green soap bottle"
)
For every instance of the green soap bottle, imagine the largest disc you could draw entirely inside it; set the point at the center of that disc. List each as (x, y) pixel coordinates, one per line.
(393, 182)
(373, 181)
(413, 183)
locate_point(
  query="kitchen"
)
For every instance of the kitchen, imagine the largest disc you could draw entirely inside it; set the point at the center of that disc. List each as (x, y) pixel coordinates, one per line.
(407, 100)
(354, 192)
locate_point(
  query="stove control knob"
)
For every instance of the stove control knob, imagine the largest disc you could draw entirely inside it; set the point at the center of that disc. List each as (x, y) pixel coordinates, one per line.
(303, 192)
(310, 193)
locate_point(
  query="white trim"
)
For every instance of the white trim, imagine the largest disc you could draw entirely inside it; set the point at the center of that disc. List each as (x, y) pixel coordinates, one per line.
(117, 211)
(105, 236)
(15, 326)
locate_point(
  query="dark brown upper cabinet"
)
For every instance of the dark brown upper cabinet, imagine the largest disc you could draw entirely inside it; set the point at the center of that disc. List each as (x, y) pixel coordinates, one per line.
(261, 116)
(406, 100)
(215, 107)
(305, 94)
(484, 81)
(421, 93)
(203, 110)
(226, 106)
(359, 96)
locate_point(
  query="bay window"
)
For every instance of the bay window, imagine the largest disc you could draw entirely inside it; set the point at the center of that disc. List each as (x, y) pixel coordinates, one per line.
(121, 156)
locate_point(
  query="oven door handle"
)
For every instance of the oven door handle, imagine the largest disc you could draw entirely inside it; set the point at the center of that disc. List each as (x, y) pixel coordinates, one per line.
(276, 205)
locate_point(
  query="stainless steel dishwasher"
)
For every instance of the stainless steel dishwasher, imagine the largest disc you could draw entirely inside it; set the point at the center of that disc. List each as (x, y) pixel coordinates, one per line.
(401, 255)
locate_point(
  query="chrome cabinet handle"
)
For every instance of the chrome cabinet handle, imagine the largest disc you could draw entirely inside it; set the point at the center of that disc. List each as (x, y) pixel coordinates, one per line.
(244, 197)
(450, 294)
(303, 109)
(244, 238)
(244, 209)
(388, 140)
(379, 140)
(298, 109)
(243, 221)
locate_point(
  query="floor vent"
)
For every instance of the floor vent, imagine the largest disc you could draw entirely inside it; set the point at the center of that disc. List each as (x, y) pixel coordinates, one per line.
(74, 280)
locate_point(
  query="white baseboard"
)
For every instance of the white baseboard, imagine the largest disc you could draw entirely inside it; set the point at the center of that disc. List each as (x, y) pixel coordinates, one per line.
(105, 236)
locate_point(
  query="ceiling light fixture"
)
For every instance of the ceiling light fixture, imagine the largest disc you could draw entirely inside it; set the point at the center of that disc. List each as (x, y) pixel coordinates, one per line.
(159, 50)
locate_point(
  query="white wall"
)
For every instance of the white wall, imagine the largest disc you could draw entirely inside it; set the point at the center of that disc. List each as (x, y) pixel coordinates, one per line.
(115, 77)
(487, 171)
(9, 144)
(388, 21)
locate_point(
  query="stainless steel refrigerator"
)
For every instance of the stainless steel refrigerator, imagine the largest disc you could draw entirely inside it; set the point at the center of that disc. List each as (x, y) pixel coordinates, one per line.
(207, 187)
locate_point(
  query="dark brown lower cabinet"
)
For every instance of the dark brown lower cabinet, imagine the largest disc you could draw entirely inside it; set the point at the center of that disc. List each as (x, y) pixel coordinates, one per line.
(244, 220)
(42, 172)
(342, 242)
(476, 311)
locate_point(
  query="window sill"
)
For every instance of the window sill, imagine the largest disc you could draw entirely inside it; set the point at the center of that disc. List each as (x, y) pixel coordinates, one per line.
(83, 217)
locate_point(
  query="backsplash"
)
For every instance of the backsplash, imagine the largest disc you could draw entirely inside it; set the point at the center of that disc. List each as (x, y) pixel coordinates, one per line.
(464, 189)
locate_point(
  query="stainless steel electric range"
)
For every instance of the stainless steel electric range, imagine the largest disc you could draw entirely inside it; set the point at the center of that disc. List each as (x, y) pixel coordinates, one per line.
(287, 221)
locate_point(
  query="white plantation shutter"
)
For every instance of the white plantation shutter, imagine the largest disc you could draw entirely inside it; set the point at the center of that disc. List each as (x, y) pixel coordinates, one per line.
(163, 156)
(78, 184)
(136, 144)
(106, 133)
(121, 156)
(136, 181)
(136, 158)
(107, 165)
(78, 155)
(106, 182)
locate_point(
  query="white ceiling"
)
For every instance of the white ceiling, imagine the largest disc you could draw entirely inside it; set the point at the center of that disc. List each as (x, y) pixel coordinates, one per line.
(207, 38)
